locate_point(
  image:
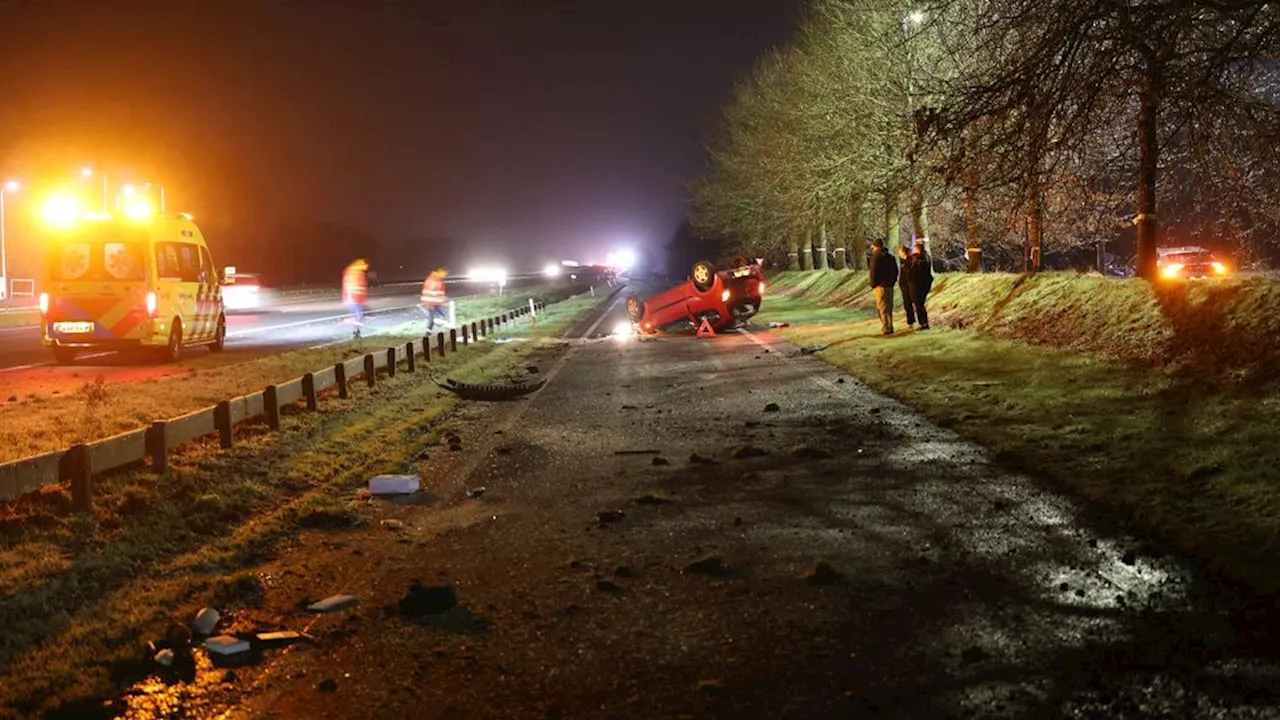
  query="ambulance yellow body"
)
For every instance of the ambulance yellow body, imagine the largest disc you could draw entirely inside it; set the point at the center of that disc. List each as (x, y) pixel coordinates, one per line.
(117, 283)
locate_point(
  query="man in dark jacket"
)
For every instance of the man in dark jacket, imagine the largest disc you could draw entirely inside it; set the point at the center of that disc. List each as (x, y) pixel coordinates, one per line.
(884, 275)
(921, 283)
(904, 282)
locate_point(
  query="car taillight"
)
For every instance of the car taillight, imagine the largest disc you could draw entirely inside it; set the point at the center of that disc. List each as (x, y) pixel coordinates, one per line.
(44, 303)
(152, 304)
(724, 296)
(1171, 270)
(761, 288)
(1219, 268)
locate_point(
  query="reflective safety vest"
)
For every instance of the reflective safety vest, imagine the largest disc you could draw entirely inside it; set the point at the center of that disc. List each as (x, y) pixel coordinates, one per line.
(354, 288)
(432, 292)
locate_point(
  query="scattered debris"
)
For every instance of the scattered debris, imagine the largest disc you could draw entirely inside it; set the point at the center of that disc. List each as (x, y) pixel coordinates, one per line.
(178, 637)
(811, 349)
(332, 603)
(636, 452)
(608, 586)
(329, 685)
(710, 565)
(392, 524)
(491, 393)
(820, 573)
(630, 407)
(772, 407)
(427, 600)
(697, 459)
(745, 452)
(661, 461)
(623, 571)
(164, 658)
(226, 645)
(840, 380)
(650, 499)
(711, 687)
(394, 484)
(206, 620)
(278, 638)
(777, 324)
(807, 452)
(477, 492)
(609, 516)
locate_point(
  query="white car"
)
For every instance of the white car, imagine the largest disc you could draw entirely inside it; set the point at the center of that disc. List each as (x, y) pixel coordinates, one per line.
(242, 293)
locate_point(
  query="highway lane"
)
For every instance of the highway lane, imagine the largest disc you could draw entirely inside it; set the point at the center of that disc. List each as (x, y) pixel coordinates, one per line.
(288, 325)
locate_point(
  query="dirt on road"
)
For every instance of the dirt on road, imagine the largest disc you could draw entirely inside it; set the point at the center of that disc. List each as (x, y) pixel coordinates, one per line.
(730, 528)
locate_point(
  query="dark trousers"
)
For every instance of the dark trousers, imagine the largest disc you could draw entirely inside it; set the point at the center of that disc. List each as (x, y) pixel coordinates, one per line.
(433, 312)
(921, 312)
(907, 303)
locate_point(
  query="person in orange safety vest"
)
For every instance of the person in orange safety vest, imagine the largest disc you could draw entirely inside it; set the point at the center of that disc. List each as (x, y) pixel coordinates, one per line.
(355, 288)
(433, 297)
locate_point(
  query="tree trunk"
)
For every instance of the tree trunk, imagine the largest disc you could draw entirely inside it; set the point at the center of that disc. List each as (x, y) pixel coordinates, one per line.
(892, 228)
(840, 260)
(973, 247)
(806, 251)
(793, 253)
(918, 230)
(820, 252)
(1035, 224)
(1148, 161)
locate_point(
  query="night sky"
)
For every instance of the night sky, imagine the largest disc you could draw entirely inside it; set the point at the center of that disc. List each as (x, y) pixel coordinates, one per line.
(527, 130)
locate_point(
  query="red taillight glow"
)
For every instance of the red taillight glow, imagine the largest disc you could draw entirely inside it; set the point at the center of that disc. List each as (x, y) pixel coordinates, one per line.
(724, 296)
(44, 303)
(152, 305)
(761, 288)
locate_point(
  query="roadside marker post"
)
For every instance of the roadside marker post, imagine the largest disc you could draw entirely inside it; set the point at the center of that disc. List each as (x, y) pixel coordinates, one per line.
(705, 329)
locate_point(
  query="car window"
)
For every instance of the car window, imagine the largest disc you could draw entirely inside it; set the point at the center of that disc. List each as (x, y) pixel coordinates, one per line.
(168, 266)
(207, 273)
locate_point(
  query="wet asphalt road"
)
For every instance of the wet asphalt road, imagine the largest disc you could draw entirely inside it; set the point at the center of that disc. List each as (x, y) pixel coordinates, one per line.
(964, 590)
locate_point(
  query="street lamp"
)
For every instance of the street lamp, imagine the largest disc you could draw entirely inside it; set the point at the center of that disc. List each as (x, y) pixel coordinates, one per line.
(9, 187)
(87, 171)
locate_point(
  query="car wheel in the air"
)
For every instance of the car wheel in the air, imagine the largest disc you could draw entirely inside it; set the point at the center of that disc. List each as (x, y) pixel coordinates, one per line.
(704, 275)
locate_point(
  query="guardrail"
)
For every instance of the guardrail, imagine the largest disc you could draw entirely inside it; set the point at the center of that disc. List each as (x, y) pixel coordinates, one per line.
(81, 463)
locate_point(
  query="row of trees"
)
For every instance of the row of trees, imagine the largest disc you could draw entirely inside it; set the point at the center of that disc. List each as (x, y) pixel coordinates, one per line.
(1012, 127)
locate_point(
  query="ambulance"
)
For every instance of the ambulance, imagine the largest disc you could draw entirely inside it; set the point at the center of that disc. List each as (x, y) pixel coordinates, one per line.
(119, 282)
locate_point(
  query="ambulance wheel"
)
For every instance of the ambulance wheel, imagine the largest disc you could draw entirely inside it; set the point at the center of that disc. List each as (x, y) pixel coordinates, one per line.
(173, 350)
(64, 356)
(220, 336)
(704, 275)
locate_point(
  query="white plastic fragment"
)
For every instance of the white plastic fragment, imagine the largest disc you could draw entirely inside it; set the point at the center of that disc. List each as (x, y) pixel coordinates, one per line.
(394, 484)
(277, 637)
(206, 620)
(333, 602)
(164, 658)
(226, 645)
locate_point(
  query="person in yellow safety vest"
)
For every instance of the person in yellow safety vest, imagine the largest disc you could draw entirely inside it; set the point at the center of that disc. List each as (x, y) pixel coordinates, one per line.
(433, 297)
(355, 288)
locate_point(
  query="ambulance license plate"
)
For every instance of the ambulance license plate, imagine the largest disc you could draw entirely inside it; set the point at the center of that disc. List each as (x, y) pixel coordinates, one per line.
(73, 328)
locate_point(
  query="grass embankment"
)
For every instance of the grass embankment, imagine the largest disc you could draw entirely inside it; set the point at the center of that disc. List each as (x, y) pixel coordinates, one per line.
(80, 595)
(84, 410)
(1158, 404)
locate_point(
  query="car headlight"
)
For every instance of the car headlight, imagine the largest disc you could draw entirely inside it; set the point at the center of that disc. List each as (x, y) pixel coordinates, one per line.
(724, 296)
(1219, 268)
(1171, 270)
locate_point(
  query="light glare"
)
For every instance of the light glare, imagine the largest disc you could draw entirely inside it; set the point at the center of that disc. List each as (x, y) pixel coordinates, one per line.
(61, 211)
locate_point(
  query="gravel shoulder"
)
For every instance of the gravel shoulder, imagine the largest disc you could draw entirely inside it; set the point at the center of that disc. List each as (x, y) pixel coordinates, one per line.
(863, 563)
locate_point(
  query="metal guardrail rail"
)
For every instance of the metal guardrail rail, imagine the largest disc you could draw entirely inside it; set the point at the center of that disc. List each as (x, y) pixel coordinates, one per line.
(80, 463)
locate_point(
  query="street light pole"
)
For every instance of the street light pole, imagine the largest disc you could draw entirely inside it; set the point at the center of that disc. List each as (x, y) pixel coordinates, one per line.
(10, 186)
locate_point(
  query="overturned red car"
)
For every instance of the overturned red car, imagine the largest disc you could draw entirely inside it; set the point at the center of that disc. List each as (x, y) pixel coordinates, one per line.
(725, 298)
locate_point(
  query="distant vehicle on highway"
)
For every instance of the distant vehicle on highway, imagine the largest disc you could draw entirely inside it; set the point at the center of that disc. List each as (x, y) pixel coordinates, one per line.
(243, 292)
(725, 298)
(1189, 262)
(120, 283)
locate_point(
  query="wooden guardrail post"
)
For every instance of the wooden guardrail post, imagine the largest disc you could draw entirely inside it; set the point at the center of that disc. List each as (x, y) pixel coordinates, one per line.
(157, 447)
(340, 378)
(465, 340)
(426, 348)
(370, 372)
(391, 362)
(222, 421)
(271, 406)
(440, 343)
(453, 339)
(411, 355)
(81, 474)
(309, 391)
